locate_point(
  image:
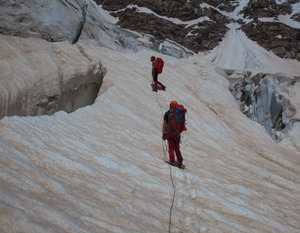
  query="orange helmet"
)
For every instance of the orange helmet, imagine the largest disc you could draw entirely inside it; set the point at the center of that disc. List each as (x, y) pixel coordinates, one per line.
(173, 102)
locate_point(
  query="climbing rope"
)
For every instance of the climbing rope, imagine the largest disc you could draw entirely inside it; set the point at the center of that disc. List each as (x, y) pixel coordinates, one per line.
(165, 150)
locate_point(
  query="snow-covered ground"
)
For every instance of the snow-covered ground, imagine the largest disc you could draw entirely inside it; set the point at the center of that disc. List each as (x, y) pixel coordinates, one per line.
(237, 51)
(101, 169)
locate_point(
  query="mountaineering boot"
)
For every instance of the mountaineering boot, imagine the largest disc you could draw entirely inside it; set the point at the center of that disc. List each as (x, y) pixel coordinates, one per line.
(154, 90)
(176, 164)
(164, 88)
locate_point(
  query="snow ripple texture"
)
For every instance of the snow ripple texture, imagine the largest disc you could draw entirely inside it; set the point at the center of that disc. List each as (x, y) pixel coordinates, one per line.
(101, 169)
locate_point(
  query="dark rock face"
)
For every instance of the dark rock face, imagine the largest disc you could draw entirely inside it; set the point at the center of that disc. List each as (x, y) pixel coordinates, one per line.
(296, 17)
(200, 37)
(197, 37)
(181, 9)
(176, 9)
(149, 24)
(113, 5)
(203, 23)
(205, 35)
(266, 8)
(277, 37)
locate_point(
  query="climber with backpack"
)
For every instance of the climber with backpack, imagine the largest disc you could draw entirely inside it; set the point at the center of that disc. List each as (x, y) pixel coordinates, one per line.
(173, 125)
(157, 67)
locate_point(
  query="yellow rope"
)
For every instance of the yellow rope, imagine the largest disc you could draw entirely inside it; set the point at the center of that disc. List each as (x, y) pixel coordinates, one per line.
(165, 150)
(173, 198)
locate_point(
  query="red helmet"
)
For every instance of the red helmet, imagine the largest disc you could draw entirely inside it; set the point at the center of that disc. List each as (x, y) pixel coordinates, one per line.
(152, 58)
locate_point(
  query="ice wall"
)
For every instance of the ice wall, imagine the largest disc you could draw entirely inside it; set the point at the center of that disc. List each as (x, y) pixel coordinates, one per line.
(38, 77)
(269, 99)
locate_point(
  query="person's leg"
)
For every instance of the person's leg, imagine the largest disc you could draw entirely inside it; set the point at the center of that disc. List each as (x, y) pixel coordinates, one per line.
(177, 151)
(155, 80)
(160, 84)
(171, 151)
(177, 148)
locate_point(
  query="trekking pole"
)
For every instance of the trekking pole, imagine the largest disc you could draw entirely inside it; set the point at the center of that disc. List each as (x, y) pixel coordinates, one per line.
(165, 149)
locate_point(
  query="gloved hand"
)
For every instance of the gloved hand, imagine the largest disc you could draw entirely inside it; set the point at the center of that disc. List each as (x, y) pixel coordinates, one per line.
(164, 136)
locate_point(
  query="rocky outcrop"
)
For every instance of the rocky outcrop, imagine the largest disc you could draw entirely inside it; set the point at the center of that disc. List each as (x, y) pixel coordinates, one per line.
(86, 23)
(267, 99)
(277, 37)
(206, 35)
(202, 36)
(266, 8)
(198, 37)
(174, 9)
(184, 10)
(296, 17)
(38, 77)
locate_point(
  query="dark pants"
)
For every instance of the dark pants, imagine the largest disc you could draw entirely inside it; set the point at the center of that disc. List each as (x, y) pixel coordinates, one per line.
(173, 141)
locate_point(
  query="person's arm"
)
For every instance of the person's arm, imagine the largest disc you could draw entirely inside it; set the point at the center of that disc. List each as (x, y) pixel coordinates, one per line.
(154, 64)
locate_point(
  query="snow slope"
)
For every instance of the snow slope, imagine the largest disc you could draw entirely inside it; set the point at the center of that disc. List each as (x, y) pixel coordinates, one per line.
(101, 169)
(236, 51)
